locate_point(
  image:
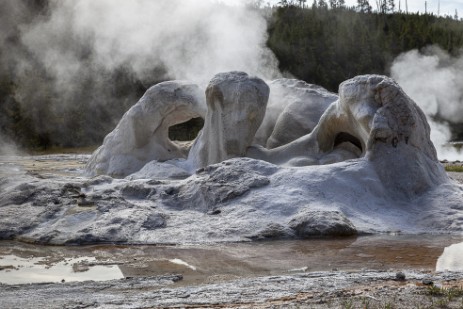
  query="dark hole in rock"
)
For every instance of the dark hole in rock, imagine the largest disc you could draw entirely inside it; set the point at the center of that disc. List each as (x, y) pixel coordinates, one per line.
(346, 137)
(186, 131)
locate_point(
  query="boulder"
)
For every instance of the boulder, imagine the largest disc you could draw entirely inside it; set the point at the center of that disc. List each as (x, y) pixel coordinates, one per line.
(321, 223)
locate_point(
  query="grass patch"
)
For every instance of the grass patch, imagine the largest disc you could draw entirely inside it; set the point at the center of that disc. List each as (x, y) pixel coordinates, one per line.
(454, 168)
(450, 293)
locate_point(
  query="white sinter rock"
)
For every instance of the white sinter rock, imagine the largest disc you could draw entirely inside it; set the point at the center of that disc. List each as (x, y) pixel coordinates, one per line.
(384, 175)
(236, 107)
(293, 110)
(373, 117)
(142, 135)
(450, 259)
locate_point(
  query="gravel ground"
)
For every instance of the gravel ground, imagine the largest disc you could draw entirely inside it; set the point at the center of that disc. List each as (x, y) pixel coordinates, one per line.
(366, 289)
(456, 176)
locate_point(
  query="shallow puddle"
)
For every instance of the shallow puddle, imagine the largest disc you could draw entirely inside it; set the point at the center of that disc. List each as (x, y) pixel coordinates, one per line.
(17, 270)
(23, 263)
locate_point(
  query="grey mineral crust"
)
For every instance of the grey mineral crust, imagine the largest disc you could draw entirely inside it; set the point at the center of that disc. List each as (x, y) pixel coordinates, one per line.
(322, 290)
(367, 166)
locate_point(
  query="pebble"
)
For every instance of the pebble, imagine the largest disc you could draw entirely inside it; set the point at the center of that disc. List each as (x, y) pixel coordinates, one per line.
(400, 276)
(427, 282)
(214, 212)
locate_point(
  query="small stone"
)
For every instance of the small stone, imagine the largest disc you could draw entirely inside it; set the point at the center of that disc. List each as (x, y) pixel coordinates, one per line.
(400, 276)
(186, 295)
(427, 282)
(214, 212)
(177, 278)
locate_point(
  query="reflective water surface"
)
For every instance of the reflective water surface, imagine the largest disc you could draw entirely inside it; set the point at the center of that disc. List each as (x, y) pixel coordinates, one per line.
(17, 270)
(23, 263)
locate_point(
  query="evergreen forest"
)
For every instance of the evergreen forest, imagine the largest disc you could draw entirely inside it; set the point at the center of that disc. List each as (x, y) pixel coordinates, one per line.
(326, 46)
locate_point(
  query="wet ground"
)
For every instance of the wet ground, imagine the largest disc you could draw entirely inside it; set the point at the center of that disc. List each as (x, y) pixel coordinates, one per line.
(44, 166)
(316, 273)
(23, 263)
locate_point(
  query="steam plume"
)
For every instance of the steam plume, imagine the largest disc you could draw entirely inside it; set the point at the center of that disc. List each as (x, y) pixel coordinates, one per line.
(434, 80)
(189, 39)
(72, 62)
(8, 147)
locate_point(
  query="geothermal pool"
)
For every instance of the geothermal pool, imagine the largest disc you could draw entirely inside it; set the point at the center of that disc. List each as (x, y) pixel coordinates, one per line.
(24, 263)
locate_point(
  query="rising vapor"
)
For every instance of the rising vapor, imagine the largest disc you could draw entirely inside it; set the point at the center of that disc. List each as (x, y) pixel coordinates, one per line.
(188, 39)
(71, 61)
(434, 80)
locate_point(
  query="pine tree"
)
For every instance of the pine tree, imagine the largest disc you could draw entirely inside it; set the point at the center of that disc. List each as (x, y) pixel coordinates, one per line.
(391, 6)
(322, 4)
(383, 6)
(363, 6)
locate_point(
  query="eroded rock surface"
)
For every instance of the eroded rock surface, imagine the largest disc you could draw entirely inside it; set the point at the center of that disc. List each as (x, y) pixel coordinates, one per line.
(236, 107)
(368, 166)
(375, 119)
(293, 110)
(240, 199)
(142, 135)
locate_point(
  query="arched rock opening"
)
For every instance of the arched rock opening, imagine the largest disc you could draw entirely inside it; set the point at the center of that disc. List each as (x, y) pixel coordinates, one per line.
(344, 137)
(186, 131)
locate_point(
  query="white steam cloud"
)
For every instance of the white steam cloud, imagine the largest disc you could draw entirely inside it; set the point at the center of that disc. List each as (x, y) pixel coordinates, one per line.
(77, 65)
(434, 80)
(8, 147)
(188, 39)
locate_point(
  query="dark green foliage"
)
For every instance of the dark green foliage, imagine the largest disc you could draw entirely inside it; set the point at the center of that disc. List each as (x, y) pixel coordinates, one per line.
(327, 46)
(450, 292)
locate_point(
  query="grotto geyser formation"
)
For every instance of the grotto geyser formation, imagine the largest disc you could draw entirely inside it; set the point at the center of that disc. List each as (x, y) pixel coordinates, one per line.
(372, 119)
(283, 159)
